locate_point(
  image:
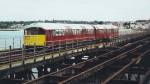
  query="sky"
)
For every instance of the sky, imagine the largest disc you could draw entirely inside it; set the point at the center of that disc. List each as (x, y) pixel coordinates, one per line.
(89, 10)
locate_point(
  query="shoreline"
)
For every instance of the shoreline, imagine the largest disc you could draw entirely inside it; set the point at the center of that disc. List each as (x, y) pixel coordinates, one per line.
(9, 30)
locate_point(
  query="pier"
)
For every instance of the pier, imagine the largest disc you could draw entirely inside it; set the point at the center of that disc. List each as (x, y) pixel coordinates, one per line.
(123, 60)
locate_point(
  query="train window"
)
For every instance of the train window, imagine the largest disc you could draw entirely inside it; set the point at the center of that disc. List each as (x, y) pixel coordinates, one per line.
(90, 31)
(77, 31)
(108, 30)
(74, 32)
(58, 32)
(101, 30)
(105, 30)
(68, 32)
(41, 31)
(48, 32)
(84, 31)
(53, 32)
(34, 31)
(113, 30)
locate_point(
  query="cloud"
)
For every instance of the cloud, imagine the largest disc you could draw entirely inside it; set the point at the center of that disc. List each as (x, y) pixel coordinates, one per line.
(74, 9)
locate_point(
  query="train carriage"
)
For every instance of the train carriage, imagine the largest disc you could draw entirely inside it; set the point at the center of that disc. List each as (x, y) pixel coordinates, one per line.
(41, 34)
(106, 32)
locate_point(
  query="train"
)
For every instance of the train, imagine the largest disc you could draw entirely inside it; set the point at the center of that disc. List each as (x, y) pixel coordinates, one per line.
(46, 34)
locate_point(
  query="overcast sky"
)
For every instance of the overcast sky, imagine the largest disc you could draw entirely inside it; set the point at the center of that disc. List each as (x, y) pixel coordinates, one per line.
(114, 10)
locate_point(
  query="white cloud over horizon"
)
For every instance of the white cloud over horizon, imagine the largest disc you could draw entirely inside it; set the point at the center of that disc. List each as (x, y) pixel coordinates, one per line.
(116, 10)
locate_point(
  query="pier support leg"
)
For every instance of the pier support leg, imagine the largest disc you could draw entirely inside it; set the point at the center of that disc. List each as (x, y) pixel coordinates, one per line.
(40, 71)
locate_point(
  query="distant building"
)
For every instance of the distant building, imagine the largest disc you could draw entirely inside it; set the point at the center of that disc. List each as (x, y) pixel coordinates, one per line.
(17, 26)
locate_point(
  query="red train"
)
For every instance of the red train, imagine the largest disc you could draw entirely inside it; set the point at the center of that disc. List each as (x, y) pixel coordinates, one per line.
(40, 34)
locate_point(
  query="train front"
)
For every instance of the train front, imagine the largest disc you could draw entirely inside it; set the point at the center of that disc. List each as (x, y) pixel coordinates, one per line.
(34, 36)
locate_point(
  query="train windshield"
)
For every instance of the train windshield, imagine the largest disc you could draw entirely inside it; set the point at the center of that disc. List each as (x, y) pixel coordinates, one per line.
(34, 31)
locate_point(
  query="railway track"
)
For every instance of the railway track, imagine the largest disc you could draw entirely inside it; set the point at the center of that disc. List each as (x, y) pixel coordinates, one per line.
(120, 72)
(33, 61)
(84, 69)
(123, 66)
(69, 47)
(16, 54)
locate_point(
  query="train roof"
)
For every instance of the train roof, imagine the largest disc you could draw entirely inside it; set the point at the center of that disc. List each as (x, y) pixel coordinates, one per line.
(51, 26)
(106, 26)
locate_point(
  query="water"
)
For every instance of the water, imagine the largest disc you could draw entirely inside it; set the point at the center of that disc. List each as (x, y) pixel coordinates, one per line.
(11, 38)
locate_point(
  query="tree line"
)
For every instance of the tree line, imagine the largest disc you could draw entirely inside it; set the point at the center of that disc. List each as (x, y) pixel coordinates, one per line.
(8, 24)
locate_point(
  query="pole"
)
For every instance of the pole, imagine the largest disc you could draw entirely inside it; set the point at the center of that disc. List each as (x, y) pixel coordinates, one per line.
(59, 47)
(20, 42)
(52, 52)
(72, 46)
(13, 43)
(66, 46)
(10, 65)
(23, 62)
(5, 44)
(44, 50)
(77, 46)
(34, 52)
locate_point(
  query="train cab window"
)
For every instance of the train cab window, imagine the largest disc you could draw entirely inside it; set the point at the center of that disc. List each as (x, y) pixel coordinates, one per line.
(78, 31)
(34, 31)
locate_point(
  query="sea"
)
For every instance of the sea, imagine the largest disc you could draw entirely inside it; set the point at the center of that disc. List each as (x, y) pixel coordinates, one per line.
(11, 38)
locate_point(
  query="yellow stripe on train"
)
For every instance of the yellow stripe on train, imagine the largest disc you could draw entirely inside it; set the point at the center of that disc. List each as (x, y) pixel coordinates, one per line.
(37, 40)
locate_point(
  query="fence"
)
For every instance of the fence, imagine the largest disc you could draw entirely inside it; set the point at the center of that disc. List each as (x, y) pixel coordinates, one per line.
(15, 42)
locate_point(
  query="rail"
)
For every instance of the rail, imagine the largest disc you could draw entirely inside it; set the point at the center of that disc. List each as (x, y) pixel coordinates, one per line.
(78, 71)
